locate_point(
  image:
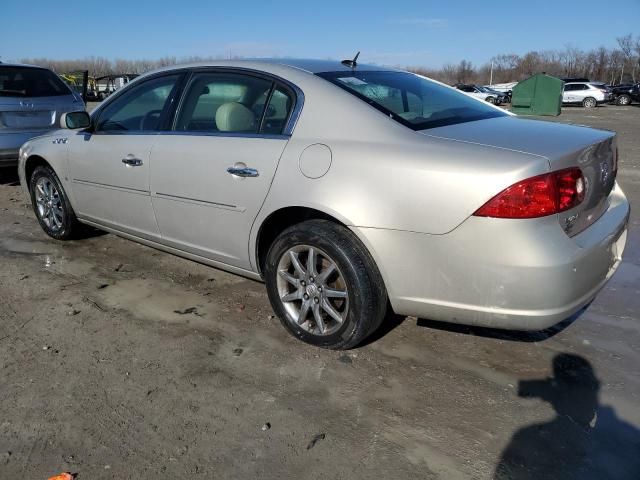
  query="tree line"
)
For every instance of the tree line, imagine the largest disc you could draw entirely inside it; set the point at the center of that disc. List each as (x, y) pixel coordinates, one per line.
(100, 66)
(611, 65)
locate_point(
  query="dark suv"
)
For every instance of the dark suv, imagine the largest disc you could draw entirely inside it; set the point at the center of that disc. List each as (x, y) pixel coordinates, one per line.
(626, 94)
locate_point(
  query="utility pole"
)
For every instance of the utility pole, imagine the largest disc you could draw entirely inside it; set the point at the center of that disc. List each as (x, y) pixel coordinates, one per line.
(491, 75)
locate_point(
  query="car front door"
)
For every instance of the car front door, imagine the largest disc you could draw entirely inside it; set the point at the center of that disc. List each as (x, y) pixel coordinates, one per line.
(211, 174)
(109, 165)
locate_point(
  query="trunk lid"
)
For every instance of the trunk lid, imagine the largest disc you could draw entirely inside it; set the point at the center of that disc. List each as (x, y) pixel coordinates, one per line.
(23, 114)
(563, 146)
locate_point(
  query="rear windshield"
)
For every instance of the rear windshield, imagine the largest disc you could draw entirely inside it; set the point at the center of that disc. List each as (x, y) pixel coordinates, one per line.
(30, 82)
(412, 100)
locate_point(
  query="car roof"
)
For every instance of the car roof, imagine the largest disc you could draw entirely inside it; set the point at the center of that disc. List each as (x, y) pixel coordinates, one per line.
(307, 65)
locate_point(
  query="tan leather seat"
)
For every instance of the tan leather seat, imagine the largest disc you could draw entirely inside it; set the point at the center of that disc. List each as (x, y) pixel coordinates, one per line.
(235, 117)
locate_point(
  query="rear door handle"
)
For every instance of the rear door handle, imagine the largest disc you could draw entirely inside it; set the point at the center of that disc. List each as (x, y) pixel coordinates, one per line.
(243, 171)
(132, 161)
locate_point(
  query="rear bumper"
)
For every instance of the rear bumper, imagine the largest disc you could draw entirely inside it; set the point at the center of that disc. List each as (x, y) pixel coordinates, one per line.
(511, 274)
(8, 157)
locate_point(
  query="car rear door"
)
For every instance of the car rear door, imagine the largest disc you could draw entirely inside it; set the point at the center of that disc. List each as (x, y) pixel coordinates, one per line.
(109, 166)
(568, 93)
(211, 174)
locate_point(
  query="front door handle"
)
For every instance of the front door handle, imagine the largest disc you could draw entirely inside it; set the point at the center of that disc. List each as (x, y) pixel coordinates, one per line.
(132, 161)
(241, 170)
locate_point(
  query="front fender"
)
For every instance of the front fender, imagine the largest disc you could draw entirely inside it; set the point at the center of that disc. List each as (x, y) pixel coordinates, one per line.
(51, 148)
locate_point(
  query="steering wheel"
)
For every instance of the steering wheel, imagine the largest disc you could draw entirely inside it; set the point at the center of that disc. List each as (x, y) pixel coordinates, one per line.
(147, 116)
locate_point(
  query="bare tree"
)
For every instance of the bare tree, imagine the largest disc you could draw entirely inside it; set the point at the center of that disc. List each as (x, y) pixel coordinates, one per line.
(626, 47)
(600, 63)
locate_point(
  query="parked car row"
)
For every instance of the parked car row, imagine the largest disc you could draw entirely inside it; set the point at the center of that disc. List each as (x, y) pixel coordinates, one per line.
(576, 91)
(591, 94)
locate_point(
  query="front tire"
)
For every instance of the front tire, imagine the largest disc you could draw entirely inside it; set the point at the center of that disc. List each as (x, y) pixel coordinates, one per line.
(324, 286)
(51, 204)
(491, 100)
(589, 102)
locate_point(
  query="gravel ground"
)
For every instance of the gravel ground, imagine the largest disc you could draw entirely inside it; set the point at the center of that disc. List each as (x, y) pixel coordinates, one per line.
(119, 361)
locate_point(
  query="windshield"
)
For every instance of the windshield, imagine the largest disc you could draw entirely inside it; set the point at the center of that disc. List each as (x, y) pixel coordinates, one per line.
(412, 100)
(30, 82)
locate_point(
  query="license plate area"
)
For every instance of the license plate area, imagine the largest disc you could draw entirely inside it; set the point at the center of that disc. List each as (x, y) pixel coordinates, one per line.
(27, 120)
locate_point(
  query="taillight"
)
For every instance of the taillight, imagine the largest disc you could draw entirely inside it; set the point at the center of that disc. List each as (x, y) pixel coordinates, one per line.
(537, 196)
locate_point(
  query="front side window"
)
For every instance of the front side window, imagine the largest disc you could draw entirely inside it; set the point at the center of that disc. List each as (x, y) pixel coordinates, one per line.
(414, 101)
(140, 108)
(220, 102)
(30, 82)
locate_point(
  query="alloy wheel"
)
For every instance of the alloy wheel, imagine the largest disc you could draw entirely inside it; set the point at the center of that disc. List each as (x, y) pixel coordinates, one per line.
(312, 290)
(49, 204)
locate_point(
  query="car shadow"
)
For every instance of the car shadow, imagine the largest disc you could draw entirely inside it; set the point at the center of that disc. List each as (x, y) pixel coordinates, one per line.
(500, 334)
(390, 322)
(585, 440)
(9, 176)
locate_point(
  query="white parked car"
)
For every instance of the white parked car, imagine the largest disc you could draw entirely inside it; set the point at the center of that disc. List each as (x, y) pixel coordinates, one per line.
(483, 93)
(583, 93)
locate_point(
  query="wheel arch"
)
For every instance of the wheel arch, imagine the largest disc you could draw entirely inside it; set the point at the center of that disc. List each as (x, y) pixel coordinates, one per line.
(30, 164)
(279, 220)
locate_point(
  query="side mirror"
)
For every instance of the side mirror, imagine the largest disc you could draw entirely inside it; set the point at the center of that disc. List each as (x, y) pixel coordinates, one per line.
(75, 120)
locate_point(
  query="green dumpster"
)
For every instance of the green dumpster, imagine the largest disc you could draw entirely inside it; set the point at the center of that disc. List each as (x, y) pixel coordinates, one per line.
(540, 94)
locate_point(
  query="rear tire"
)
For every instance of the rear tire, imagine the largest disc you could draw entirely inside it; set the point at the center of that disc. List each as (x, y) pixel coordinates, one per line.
(336, 299)
(589, 102)
(51, 204)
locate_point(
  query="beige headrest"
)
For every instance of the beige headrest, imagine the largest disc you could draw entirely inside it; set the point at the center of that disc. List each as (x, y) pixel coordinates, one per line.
(235, 117)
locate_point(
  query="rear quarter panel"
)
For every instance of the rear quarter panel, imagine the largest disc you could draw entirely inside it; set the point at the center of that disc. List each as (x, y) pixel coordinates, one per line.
(384, 175)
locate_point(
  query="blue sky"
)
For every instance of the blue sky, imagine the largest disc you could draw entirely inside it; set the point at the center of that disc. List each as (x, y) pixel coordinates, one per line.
(409, 33)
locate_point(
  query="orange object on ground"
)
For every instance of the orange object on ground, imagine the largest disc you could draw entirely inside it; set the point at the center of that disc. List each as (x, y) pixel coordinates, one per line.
(62, 476)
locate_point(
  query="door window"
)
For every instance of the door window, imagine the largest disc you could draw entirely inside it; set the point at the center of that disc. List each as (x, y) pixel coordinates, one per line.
(277, 113)
(223, 102)
(139, 109)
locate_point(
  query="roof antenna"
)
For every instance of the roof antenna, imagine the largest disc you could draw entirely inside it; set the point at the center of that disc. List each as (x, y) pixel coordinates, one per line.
(351, 63)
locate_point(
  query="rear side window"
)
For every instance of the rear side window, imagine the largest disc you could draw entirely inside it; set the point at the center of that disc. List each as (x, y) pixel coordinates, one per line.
(218, 102)
(30, 82)
(223, 102)
(411, 100)
(277, 113)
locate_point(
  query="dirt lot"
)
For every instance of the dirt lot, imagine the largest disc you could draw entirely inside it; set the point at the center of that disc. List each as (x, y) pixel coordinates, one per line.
(104, 372)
